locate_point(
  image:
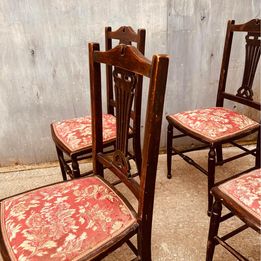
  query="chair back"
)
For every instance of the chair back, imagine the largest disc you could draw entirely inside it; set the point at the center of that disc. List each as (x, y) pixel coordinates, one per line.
(245, 93)
(127, 63)
(126, 35)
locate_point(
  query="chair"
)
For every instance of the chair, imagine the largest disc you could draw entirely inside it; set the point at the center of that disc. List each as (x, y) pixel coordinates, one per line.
(218, 125)
(87, 218)
(73, 138)
(241, 195)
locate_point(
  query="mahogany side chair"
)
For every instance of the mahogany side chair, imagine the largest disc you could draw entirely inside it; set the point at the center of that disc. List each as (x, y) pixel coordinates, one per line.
(87, 218)
(241, 195)
(73, 137)
(218, 125)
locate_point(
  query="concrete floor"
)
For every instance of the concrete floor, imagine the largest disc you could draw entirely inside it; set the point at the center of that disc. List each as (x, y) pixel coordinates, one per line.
(180, 224)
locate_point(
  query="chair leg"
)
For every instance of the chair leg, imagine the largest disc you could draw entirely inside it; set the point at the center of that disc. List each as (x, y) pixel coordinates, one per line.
(144, 245)
(213, 229)
(75, 168)
(219, 155)
(61, 162)
(258, 145)
(211, 176)
(169, 149)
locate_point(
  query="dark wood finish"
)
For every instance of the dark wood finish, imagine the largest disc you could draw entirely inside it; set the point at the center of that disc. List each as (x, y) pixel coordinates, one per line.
(130, 61)
(244, 95)
(248, 218)
(127, 59)
(70, 167)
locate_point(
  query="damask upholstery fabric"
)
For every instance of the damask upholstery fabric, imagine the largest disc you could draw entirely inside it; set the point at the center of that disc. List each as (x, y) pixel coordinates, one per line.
(76, 134)
(245, 191)
(64, 221)
(214, 124)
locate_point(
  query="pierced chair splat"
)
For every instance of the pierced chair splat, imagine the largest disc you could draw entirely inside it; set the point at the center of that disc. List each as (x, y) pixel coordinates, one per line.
(88, 218)
(218, 125)
(73, 137)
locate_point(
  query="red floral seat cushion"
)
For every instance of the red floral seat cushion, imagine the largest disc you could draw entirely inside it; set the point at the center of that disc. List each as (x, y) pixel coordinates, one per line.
(64, 221)
(214, 124)
(245, 191)
(76, 134)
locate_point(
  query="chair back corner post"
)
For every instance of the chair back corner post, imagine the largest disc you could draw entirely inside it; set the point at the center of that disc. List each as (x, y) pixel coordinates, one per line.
(141, 40)
(96, 108)
(109, 91)
(138, 93)
(225, 64)
(154, 112)
(107, 30)
(137, 122)
(137, 103)
(151, 150)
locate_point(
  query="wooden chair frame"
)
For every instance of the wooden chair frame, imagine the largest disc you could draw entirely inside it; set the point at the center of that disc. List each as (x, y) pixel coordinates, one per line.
(250, 221)
(125, 35)
(128, 59)
(127, 63)
(244, 96)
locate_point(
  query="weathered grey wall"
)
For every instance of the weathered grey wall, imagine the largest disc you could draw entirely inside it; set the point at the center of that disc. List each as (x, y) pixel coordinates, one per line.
(44, 61)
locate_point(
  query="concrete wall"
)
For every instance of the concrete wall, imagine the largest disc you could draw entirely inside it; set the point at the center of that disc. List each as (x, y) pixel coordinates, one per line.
(44, 61)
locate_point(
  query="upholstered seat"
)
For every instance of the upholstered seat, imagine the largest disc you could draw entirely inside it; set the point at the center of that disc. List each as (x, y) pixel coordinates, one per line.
(241, 195)
(245, 191)
(76, 134)
(213, 124)
(64, 221)
(215, 127)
